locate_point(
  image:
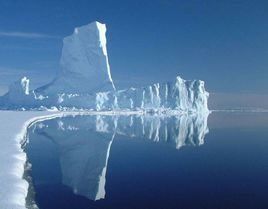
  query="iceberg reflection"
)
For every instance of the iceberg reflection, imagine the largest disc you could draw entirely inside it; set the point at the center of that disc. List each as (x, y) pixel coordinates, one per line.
(84, 142)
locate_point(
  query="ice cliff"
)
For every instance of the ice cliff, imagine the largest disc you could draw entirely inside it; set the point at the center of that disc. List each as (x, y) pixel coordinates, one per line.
(84, 66)
(181, 95)
(84, 82)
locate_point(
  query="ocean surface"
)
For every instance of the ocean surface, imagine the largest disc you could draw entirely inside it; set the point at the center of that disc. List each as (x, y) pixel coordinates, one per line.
(218, 161)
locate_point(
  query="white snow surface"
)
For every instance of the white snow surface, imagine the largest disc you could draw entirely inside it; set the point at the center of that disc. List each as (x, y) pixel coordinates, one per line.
(13, 188)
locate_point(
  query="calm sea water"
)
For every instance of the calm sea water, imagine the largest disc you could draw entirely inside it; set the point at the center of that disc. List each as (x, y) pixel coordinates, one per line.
(131, 162)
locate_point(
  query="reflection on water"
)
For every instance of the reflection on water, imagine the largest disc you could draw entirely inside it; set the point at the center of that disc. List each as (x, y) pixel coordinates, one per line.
(154, 162)
(84, 143)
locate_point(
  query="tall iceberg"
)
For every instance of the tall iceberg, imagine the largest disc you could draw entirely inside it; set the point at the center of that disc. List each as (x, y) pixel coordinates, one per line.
(84, 66)
(84, 81)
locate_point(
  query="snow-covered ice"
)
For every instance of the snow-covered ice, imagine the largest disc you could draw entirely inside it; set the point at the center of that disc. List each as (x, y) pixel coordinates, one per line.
(13, 128)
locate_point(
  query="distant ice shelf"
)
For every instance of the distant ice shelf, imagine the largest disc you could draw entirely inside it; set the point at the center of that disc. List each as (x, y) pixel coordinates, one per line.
(84, 82)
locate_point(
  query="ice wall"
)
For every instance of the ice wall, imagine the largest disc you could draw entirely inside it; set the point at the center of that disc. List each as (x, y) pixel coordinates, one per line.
(180, 95)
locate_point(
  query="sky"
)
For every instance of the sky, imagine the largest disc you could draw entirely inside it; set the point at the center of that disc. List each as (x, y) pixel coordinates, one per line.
(224, 43)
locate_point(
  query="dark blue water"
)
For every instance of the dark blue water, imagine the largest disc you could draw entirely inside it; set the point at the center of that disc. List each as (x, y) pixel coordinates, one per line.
(106, 162)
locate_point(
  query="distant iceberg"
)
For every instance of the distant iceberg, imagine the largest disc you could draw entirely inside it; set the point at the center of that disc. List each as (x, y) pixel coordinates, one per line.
(84, 82)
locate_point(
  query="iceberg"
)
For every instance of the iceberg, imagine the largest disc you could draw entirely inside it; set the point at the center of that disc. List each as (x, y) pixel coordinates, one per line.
(180, 95)
(84, 81)
(84, 66)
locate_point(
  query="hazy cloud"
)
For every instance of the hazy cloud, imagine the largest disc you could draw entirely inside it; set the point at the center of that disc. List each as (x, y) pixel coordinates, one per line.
(18, 34)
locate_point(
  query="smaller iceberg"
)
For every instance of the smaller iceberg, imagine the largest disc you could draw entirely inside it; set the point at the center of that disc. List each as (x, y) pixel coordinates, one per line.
(180, 95)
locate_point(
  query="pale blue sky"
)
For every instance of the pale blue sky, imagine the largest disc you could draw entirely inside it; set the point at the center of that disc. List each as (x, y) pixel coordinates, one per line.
(222, 42)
